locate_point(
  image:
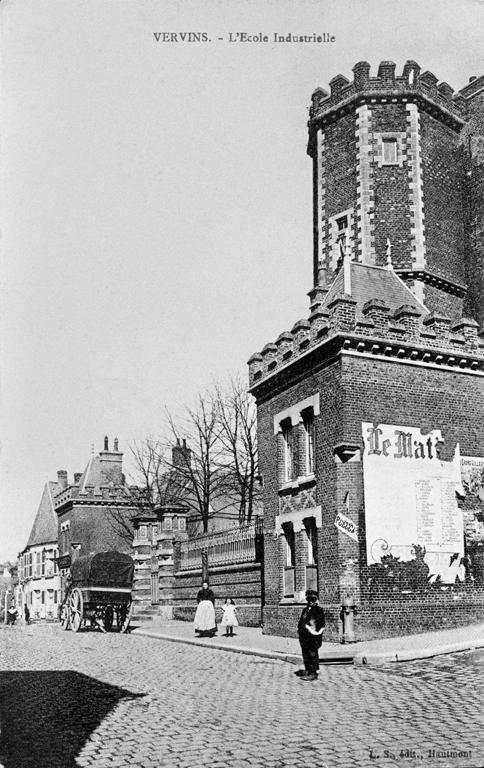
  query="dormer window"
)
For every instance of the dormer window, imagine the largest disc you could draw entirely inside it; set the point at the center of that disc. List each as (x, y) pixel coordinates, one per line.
(340, 228)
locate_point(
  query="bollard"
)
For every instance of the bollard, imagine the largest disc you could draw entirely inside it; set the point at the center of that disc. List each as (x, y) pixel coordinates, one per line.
(347, 614)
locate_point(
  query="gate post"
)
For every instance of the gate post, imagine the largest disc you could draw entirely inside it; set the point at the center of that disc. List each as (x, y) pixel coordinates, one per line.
(204, 565)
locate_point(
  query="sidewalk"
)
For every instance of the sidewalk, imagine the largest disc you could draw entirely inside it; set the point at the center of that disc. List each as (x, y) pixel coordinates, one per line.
(250, 640)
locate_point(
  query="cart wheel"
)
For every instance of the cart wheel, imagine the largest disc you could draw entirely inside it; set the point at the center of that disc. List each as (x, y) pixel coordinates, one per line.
(123, 617)
(108, 618)
(76, 610)
(64, 616)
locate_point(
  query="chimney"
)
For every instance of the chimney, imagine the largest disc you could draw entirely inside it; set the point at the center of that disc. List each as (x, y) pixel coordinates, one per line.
(62, 478)
(77, 477)
(181, 454)
(111, 464)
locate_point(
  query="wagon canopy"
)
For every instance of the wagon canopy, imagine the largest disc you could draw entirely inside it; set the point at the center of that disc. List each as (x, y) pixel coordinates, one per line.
(103, 569)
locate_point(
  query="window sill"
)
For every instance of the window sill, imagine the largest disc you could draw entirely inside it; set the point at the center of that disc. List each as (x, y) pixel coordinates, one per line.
(291, 601)
(288, 486)
(292, 485)
(307, 479)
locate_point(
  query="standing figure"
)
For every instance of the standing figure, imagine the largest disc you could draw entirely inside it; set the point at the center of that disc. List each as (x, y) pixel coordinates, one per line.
(205, 624)
(229, 619)
(12, 614)
(310, 630)
(26, 614)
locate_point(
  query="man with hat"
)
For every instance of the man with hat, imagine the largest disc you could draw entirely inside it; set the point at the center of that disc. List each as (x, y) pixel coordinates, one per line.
(310, 630)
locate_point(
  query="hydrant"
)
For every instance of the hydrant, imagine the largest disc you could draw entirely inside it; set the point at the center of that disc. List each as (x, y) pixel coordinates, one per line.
(347, 614)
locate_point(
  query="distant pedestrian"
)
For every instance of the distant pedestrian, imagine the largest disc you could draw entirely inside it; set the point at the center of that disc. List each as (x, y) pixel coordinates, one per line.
(310, 630)
(26, 614)
(229, 618)
(205, 624)
(12, 614)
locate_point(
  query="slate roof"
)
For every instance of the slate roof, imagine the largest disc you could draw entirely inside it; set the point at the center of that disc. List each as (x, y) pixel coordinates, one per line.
(91, 475)
(44, 529)
(370, 282)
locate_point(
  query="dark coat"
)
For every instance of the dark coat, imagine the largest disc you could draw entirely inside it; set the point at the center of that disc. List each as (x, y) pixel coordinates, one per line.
(205, 594)
(313, 615)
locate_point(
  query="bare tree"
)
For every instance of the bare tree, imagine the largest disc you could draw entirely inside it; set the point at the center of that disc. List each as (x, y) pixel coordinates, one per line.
(207, 459)
(199, 457)
(238, 435)
(158, 479)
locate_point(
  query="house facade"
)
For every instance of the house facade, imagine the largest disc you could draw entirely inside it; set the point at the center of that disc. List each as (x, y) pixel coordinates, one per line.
(370, 411)
(39, 584)
(94, 512)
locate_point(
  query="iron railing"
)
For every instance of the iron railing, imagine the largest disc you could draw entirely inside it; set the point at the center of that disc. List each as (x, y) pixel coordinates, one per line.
(236, 545)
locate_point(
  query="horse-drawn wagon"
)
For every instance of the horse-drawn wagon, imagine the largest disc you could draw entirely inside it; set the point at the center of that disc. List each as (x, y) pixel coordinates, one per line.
(98, 590)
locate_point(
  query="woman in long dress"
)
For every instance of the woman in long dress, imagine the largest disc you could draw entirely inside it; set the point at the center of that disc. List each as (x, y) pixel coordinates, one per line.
(204, 622)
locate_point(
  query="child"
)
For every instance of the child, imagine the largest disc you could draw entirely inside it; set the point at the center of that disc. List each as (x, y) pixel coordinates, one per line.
(229, 619)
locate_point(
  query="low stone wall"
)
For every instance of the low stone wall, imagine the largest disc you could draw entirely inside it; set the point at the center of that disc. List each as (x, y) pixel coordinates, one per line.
(240, 581)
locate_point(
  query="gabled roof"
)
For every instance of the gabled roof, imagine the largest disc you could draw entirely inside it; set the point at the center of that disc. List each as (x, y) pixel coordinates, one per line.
(44, 529)
(370, 282)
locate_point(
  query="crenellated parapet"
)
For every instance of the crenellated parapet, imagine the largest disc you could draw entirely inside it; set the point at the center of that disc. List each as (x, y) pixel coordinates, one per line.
(404, 333)
(412, 85)
(100, 494)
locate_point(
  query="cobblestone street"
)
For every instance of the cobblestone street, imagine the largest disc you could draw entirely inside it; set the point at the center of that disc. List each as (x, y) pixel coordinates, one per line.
(90, 699)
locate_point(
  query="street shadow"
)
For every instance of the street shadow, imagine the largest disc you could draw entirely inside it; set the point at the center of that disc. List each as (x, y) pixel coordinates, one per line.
(47, 717)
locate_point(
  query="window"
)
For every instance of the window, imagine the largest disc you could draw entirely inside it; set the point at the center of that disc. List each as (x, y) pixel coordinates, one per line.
(288, 451)
(342, 235)
(311, 556)
(65, 528)
(43, 562)
(290, 561)
(181, 523)
(308, 427)
(390, 156)
(342, 225)
(340, 229)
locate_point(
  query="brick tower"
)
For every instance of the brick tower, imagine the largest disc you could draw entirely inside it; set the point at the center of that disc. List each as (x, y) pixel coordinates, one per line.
(389, 155)
(370, 412)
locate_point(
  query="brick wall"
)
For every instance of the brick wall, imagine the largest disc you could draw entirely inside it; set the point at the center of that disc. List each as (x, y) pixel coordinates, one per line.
(95, 529)
(240, 582)
(340, 165)
(473, 150)
(391, 191)
(327, 434)
(442, 191)
(375, 390)
(352, 391)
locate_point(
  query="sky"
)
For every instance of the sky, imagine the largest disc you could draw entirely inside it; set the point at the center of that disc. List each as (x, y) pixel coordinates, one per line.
(157, 203)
